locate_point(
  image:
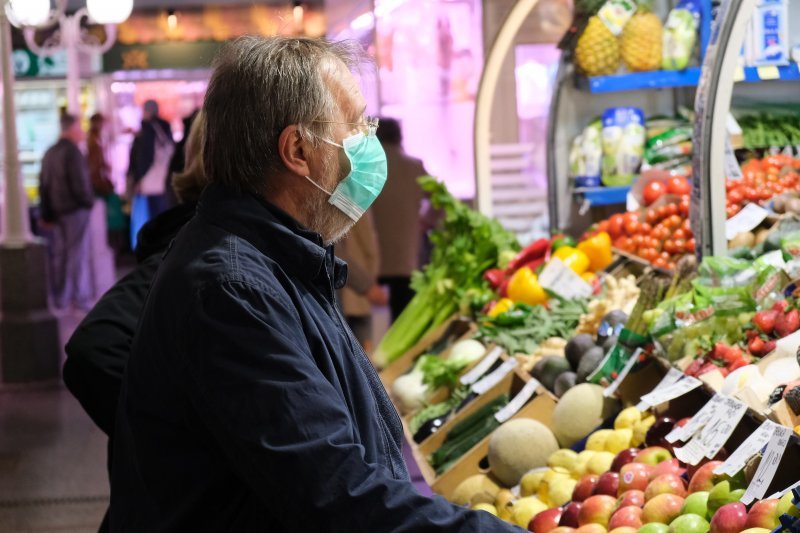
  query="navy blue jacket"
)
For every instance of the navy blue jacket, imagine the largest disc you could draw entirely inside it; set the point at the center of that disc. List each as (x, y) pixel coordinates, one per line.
(247, 405)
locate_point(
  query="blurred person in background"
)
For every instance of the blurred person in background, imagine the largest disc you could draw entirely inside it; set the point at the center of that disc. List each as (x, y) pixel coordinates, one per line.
(99, 348)
(397, 217)
(99, 169)
(178, 162)
(151, 154)
(67, 199)
(359, 249)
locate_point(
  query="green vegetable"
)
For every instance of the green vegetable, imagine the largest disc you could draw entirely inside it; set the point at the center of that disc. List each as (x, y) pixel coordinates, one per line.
(438, 409)
(438, 372)
(467, 245)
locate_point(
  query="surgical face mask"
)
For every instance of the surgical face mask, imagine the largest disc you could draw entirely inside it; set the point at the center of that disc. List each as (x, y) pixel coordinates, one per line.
(362, 185)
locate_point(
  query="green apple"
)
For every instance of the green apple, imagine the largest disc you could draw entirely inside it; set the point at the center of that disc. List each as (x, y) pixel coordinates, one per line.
(785, 505)
(696, 503)
(721, 495)
(654, 527)
(689, 523)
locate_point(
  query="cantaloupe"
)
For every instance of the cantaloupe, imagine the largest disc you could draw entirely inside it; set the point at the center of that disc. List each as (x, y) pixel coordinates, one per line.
(474, 490)
(519, 446)
(579, 411)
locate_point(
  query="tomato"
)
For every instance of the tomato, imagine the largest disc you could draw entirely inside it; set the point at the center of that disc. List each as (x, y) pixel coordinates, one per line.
(653, 191)
(687, 226)
(689, 248)
(679, 233)
(673, 222)
(683, 209)
(632, 227)
(636, 241)
(671, 265)
(669, 246)
(679, 186)
(660, 262)
(616, 226)
(666, 256)
(603, 226)
(736, 196)
(751, 194)
(732, 210)
(645, 228)
(680, 246)
(630, 216)
(661, 232)
(661, 212)
(651, 217)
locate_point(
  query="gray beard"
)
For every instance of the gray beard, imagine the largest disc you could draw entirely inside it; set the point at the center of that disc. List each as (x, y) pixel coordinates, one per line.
(324, 218)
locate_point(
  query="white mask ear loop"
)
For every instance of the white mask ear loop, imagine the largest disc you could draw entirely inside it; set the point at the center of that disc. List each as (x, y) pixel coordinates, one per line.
(318, 186)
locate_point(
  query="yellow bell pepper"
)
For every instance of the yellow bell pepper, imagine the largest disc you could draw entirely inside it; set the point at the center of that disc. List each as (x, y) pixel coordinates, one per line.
(589, 277)
(524, 287)
(598, 250)
(575, 259)
(502, 305)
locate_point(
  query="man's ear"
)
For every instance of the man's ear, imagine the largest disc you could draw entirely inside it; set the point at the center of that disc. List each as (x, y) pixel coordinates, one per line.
(292, 151)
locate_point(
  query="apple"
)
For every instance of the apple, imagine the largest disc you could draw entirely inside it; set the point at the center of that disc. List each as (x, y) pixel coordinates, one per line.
(585, 487)
(630, 516)
(721, 495)
(689, 523)
(654, 527)
(607, 484)
(624, 457)
(730, 518)
(666, 484)
(682, 422)
(705, 478)
(631, 497)
(562, 529)
(597, 510)
(570, 515)
(634, 476)
(786, 506)
(692, 469)
(623, 530)
(655, 436)
(670, 466)
(764, 513)
(653, 455)
(546, 520)
(757, 530)
(663, 508)
(591, 528)
(696, 503)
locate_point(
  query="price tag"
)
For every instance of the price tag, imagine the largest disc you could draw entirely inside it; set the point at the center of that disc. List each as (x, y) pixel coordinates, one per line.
(738, 74)
(696, 423)
(768, 466)
(778, 495)
(731, 165)
(482, 367)
(519, 400)
(768, 73)
(670, 392)
(692, 453)
(745, 220)
(563, 281)
(774, 258)
(611, 389)
(671, 377)
(495, 377)
(752, 444)
(720, 428)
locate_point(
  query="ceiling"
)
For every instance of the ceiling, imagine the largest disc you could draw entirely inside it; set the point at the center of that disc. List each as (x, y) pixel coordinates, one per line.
(166, 4)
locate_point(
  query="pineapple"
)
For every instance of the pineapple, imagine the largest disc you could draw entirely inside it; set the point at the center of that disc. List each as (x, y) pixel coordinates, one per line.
(640, 44)
(597, 51)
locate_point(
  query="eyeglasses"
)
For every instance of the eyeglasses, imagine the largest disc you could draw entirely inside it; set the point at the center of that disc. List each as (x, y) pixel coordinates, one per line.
(368, 127)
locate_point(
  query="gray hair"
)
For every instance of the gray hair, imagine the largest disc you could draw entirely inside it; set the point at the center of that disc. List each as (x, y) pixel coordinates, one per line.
(259, 87)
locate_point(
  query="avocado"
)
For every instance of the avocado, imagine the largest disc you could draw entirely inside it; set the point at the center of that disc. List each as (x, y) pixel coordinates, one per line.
(547, 370)
(577, 347)
(590, 362)
(564, 382)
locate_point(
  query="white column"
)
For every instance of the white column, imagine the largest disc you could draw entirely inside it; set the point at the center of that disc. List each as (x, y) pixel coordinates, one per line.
(71, 29)
(16, 229)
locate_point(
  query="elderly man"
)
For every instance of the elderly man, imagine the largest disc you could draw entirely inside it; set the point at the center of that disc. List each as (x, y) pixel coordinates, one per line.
(247, 405)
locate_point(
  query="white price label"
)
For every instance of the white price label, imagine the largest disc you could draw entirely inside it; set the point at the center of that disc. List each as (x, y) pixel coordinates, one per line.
(752, 445)
(519, 400)
(563, 281)
(696, 423)
(768, 465)
(774, 258)
(778, 495)
(670, 392)
(495, 377)
(732, 169)
(671, 377)
(692, 453)
(720, 428)
(611, 389)
(482, 367)
(745, 220)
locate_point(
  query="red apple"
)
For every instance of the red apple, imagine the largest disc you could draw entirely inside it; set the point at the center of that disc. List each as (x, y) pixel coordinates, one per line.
(682, 422)
(655, 436)
(630, 516)
(607, 484)
(729, 518)
(597, 510)
(763, 514)
(546, 520)
(691, 470)
(653, 455)
(624, 457)
(562, 529)
(705, 478)
(671, 466)
(666, 484)
(624, 530)
(631, 497)
(591, 528)
(634, 476)
(584, 488)
(663, 508)
(570, 515)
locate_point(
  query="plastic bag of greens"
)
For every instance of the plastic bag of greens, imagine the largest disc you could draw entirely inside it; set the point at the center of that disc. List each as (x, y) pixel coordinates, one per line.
(769, 284)
(725, 272)
(680, 34)
(586, 156)
(623, 144)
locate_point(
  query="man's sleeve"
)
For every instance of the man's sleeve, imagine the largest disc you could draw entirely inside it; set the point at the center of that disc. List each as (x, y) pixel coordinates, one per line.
(78, 178)
(285, 429)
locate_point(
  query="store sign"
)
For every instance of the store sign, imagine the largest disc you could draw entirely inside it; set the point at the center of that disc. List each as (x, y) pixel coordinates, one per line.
(196, 55)
(29, 65)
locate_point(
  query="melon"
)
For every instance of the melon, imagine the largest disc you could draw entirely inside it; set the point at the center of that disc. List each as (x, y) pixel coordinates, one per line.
(474, 490)
(517, 447)
(580, 411)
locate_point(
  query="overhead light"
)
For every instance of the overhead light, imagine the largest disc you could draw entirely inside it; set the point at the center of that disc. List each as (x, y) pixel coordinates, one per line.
(109, 11)
(172, 19)
(297, 12)
(28, 12)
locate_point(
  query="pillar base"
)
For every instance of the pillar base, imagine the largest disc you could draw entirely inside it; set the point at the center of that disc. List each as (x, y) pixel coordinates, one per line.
(29, 339)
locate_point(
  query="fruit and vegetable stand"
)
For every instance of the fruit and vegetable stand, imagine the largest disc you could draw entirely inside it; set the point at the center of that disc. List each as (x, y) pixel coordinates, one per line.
(570, 388)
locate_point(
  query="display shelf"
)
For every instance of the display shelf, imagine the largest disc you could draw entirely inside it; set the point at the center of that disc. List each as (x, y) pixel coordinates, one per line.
(600, 196)
(757, 74)
(636, 81)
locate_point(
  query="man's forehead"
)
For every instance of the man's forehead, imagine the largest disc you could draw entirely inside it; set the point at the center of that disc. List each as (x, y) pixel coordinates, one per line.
(345, 88)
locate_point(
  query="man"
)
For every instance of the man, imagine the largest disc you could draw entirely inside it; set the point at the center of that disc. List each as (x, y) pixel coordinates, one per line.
(397, 218)
(67, 200)
(151, 154)
(247, 405)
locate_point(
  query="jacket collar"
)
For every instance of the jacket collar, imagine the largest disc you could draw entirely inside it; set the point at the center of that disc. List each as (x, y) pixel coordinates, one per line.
(274, 233)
